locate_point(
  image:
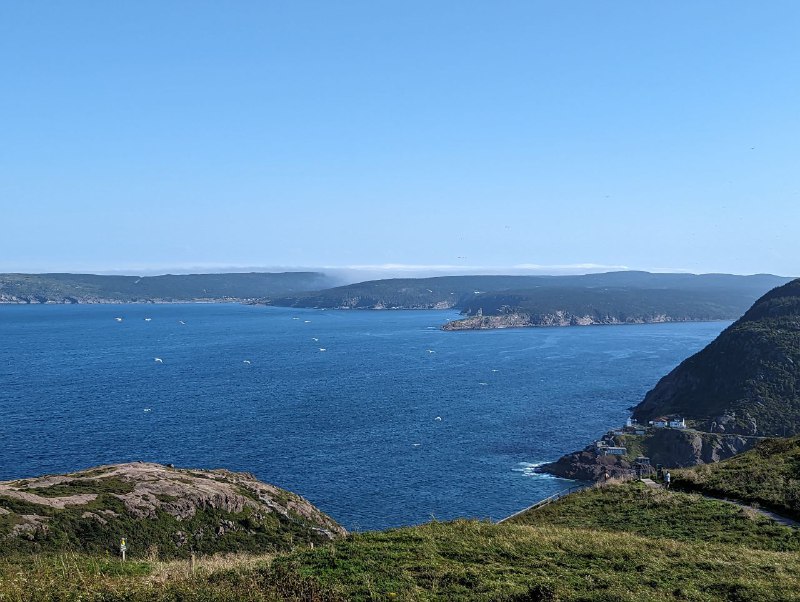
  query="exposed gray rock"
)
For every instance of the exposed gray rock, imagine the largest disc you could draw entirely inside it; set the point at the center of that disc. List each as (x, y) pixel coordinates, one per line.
(673, 448)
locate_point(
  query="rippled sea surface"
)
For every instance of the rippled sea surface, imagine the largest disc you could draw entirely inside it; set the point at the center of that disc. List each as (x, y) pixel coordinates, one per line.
(379, 418)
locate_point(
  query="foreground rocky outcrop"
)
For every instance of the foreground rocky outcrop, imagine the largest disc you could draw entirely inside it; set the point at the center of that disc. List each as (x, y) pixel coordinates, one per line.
(159, 510)
(668, 447)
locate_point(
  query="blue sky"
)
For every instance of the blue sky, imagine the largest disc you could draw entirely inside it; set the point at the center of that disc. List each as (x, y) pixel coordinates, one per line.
(479, 135)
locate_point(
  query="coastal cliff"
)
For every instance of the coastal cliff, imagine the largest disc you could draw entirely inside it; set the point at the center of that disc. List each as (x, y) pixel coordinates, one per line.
(556, 318)
(744, 386)
(747, 380)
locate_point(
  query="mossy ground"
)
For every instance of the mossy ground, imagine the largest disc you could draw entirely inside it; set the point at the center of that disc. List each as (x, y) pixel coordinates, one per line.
(69, 530)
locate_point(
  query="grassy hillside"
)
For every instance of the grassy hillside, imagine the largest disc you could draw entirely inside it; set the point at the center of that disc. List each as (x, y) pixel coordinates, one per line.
(768, 474)
(747, 380)
(621, 543)
(93, 288)
(658, 513)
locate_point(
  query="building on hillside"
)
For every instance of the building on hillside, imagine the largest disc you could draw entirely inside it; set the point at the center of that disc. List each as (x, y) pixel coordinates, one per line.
(610, 450)
(674, 422)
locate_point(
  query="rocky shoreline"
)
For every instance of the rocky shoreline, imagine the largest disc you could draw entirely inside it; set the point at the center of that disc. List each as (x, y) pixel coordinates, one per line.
(558, 318)
(673, 448)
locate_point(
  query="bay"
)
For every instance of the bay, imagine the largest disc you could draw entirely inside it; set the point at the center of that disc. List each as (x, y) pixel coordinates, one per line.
(377, 417)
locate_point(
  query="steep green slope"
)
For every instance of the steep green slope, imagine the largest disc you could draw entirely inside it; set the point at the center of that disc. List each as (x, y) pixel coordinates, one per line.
(93, 288)
(159, 510)
(768, 474)
(747, 380)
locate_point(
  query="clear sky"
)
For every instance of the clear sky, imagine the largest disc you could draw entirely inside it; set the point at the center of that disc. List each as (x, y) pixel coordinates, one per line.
(166, 134)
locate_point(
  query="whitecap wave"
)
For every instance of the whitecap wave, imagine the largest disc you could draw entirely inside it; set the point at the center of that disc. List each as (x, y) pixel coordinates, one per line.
(528, 469)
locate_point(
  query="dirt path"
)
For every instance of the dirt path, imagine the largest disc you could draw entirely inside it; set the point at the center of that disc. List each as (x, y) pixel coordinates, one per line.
(778, 518)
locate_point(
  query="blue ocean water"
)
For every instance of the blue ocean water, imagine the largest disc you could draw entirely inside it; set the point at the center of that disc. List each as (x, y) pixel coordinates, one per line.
(394, 423)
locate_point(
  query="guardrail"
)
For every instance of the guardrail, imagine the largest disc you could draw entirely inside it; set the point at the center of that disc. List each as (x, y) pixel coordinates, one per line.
(630, 473)
(552, 498)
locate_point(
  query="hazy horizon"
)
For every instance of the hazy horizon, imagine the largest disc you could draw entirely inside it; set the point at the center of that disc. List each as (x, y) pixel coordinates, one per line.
(340, 275)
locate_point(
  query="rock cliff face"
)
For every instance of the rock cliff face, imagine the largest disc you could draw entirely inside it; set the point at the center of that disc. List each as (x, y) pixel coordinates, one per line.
(671, 448)
(176, 511)
(556, 318)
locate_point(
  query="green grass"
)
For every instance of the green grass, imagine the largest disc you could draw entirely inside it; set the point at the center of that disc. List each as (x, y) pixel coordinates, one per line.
(620, 542)
(769, 475)
(461, 560)
(657, 513)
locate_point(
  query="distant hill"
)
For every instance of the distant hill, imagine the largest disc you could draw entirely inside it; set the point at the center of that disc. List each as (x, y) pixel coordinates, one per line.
(747, 380)
(154, 507)
(502, 301)
(768, 474)
(93, 288)
(442, 292)
(572, 306)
